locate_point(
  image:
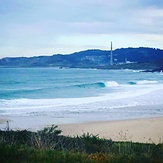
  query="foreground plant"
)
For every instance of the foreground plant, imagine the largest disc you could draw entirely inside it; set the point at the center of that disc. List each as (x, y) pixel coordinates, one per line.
(48, 145)
(45, 139)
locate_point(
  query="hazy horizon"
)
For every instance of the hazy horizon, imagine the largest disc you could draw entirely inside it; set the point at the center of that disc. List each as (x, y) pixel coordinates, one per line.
(39, 55)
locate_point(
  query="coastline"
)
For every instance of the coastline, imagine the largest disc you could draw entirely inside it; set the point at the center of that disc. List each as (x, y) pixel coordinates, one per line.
(143, 130)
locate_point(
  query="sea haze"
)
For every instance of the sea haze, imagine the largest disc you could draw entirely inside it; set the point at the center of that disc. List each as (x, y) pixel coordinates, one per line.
(80, 94)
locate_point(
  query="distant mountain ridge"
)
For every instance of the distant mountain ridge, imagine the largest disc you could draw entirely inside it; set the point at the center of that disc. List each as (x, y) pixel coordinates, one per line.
(135, 58)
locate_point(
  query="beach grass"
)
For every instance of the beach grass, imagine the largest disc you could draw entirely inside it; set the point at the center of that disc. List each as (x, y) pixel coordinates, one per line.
(49, 145)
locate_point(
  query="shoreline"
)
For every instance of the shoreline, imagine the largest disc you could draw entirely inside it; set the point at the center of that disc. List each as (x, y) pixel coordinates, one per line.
(142, 130)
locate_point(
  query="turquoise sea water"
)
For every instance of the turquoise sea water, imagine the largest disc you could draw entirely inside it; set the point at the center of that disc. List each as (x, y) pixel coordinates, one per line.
(92, 94)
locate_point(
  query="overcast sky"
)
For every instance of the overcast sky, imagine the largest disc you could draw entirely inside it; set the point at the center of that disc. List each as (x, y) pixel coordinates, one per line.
(46, 27)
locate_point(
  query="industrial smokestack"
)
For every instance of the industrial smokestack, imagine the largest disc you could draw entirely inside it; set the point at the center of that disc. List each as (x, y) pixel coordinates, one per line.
(111, 55)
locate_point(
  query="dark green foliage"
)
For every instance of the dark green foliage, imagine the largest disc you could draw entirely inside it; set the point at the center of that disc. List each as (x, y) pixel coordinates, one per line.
(23, 154)
(157, 152)
(15, 137)
(50, 130)
(92, 143)
(48, 145)
(46, 138)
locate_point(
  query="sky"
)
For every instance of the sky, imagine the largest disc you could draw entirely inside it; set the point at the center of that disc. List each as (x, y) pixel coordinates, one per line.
(47, 27)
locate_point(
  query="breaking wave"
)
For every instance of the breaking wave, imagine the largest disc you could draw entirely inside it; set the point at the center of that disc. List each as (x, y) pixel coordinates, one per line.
(142, 82)
(99, 84)
(111, 84)
(90, 85)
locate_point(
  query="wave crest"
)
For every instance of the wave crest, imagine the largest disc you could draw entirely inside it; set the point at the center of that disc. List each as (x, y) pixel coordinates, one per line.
(99, 84)
(142, 82)
(111, 84)
(90, 85)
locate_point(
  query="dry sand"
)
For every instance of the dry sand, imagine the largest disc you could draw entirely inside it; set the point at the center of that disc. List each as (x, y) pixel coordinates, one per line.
(3, 121)
(140, 130)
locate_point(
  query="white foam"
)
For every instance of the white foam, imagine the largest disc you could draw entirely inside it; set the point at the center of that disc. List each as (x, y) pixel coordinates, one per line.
(112, 100)
(111, 84)
(146, 82)
(126, 96)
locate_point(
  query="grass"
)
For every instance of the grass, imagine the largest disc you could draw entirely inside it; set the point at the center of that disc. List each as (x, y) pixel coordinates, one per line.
(48, 145)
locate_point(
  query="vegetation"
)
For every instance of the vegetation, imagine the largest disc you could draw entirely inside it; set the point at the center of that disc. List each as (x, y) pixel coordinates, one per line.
(48, 145)
(127, 58)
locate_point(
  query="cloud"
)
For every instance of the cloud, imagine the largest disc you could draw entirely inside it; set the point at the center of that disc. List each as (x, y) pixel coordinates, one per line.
(44, 23)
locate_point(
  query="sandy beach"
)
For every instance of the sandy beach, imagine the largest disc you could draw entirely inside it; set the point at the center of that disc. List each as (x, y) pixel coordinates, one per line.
(147, 130)
(2, 121)
(140, 130)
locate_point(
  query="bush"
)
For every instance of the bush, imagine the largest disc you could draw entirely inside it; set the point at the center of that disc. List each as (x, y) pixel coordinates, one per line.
(48, 145)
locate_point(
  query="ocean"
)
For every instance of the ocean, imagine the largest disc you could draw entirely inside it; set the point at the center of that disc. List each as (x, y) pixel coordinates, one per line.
(80, 95)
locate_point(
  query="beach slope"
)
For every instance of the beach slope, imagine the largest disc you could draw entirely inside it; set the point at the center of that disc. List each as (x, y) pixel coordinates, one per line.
(140, 130)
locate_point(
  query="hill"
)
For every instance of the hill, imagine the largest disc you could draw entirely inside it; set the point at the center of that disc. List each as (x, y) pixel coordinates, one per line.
(135, 58)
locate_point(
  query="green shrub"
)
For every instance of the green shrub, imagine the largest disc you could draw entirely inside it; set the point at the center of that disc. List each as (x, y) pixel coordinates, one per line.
(48, 145)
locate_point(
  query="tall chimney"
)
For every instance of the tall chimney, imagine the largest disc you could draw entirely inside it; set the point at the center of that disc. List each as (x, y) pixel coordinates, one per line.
(111, 55)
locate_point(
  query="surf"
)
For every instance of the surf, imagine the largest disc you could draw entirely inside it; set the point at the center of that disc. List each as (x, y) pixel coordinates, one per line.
(142, 82)
(99, 84)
